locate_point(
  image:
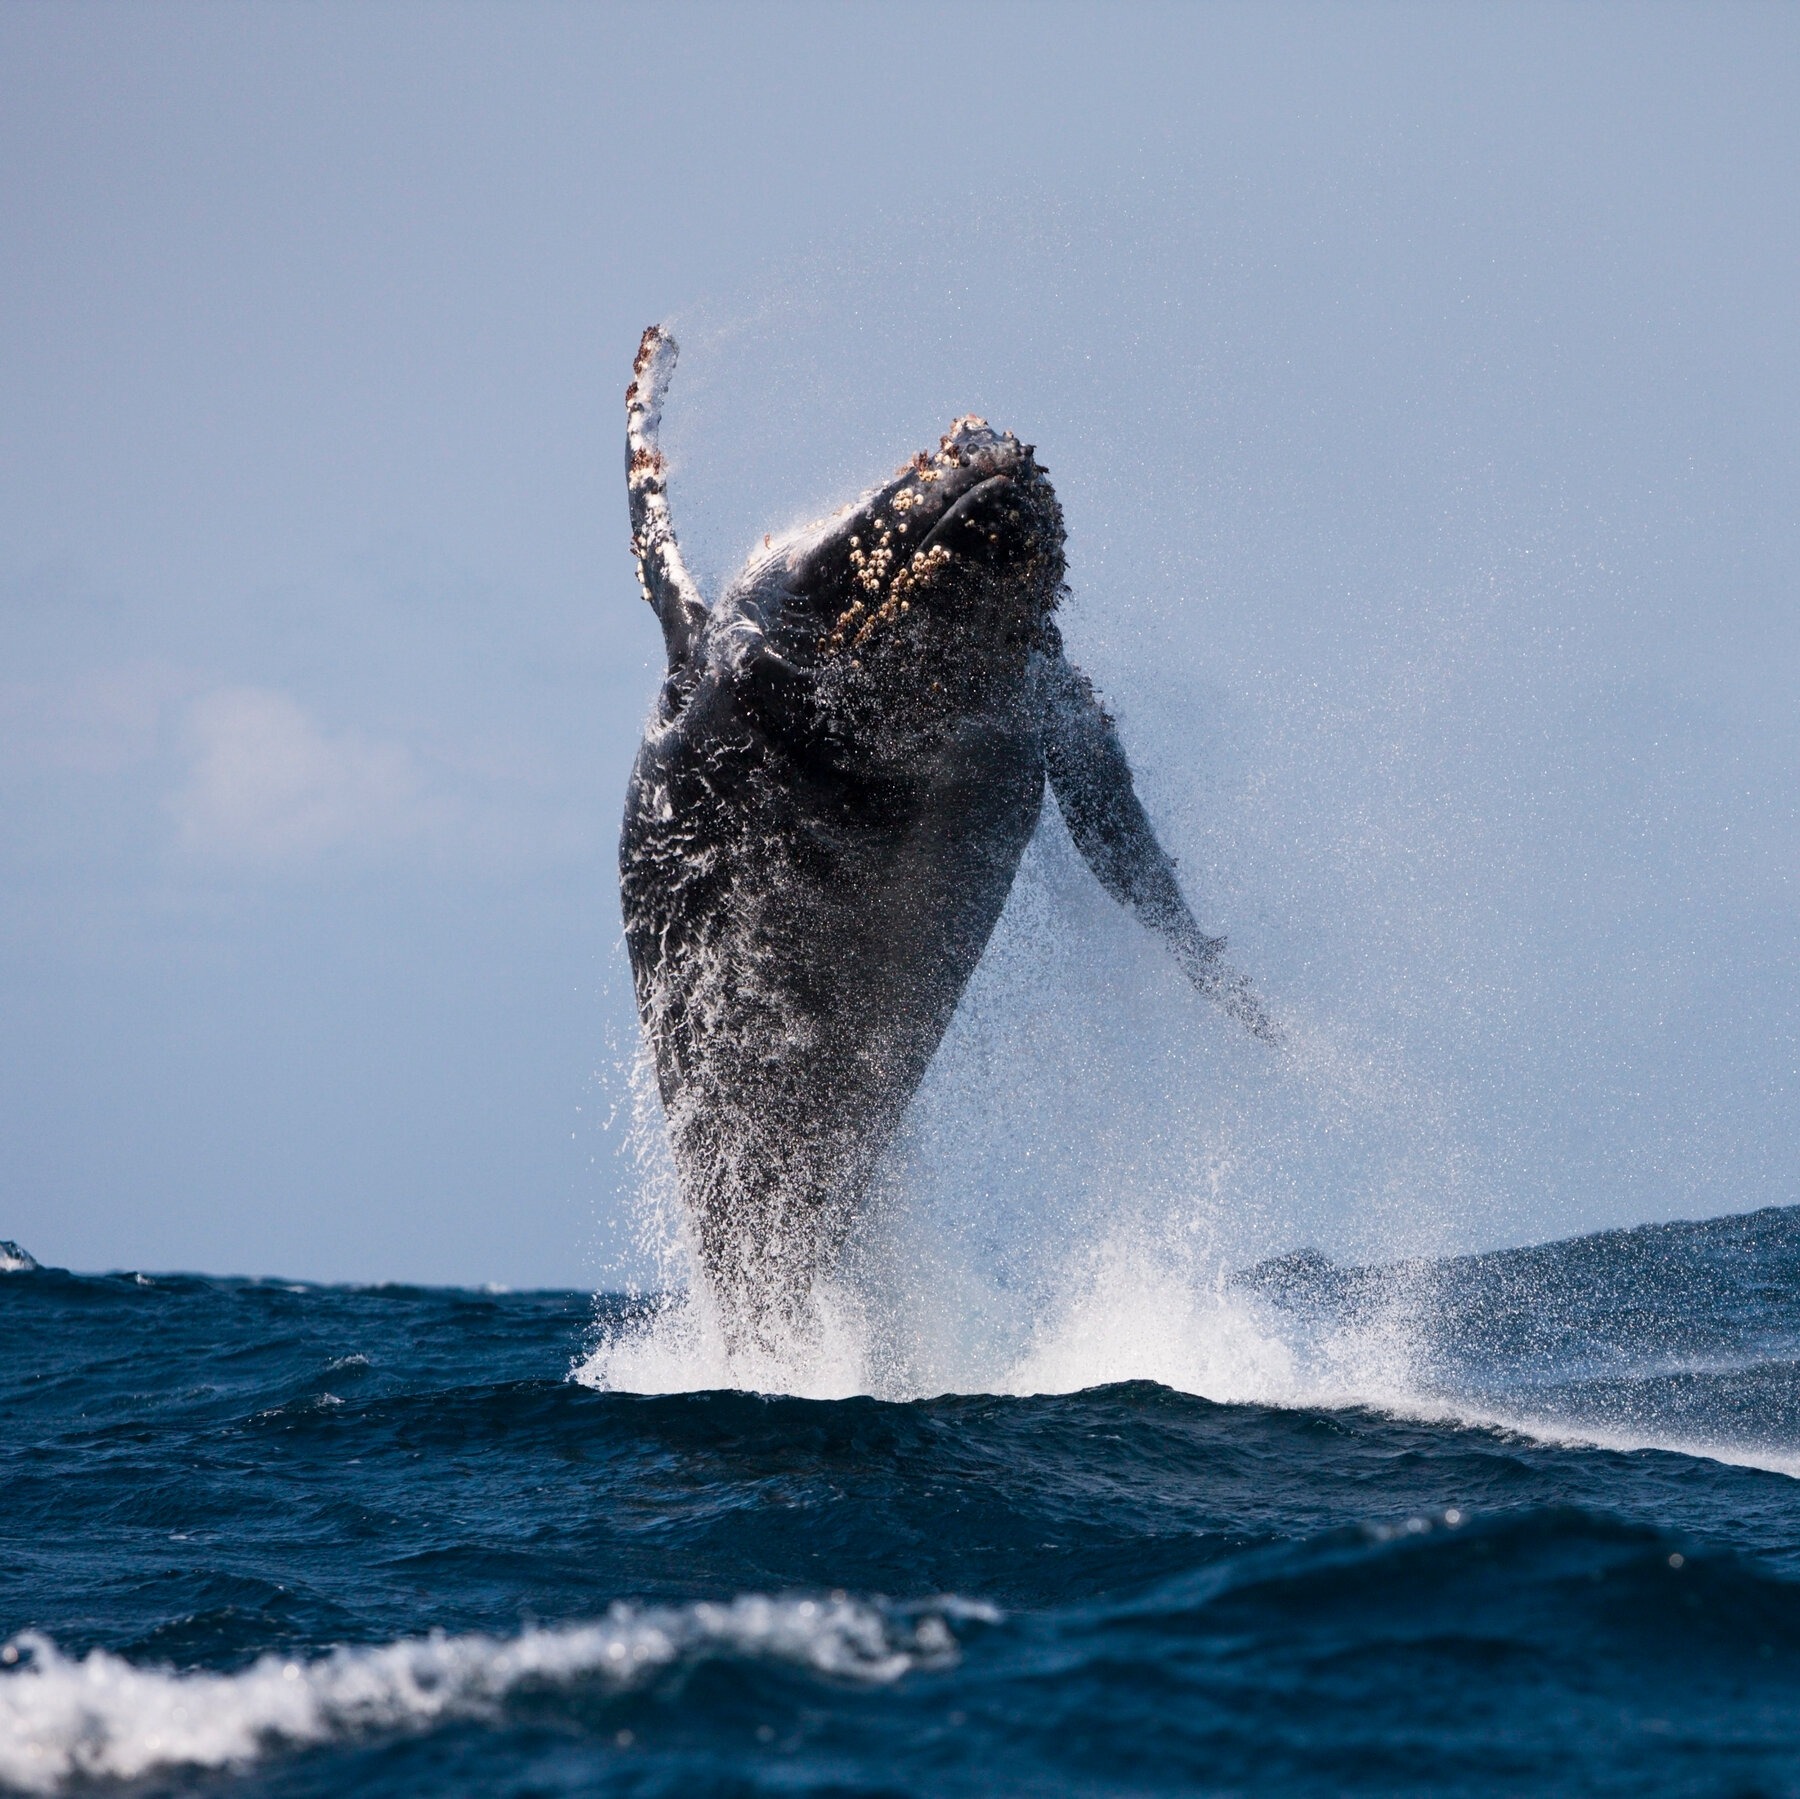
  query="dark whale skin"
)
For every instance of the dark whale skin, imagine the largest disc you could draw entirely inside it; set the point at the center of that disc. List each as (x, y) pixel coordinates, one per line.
(823, 823)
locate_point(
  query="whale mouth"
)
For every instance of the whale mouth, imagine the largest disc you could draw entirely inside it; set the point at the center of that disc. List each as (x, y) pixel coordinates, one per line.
(958, 558)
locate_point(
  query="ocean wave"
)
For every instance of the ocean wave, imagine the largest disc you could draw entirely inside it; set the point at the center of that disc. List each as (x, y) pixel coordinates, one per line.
(64, 1719)
(1660, 1338)
(1304, 1528)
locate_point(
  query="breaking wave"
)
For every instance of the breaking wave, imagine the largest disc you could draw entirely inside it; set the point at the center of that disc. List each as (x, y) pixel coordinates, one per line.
(101, 1716)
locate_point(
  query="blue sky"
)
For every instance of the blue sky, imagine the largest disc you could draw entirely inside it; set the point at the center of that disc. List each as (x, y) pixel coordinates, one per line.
(1420, 384)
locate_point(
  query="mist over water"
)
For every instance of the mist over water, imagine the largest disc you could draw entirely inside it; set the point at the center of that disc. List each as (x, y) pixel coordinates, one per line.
(1428, 628)
(1468, 876)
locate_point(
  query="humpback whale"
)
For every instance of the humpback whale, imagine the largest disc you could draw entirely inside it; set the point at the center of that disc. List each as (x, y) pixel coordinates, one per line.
(845, 762)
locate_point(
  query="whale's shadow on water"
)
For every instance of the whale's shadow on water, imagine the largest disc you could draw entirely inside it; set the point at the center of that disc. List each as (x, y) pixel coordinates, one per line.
(845, 764)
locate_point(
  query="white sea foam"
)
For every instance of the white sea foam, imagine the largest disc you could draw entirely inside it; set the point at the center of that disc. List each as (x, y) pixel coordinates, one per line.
(1134, 1321)
(101, 1717)
(1132, 1309)
(1134, 1317)
(680, 1347)
(1563, 1433)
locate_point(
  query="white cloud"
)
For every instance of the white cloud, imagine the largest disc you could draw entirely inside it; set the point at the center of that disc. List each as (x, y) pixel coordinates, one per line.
(267, 785)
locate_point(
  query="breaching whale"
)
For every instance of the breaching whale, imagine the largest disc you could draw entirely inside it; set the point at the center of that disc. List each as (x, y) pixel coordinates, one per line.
(845, 763)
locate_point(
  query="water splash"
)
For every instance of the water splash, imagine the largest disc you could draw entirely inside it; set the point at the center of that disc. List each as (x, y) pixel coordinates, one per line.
(1133, 1309)
(1091, 1154)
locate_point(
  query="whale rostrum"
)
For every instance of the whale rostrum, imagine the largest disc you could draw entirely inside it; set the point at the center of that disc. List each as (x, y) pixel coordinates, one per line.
(845, 763)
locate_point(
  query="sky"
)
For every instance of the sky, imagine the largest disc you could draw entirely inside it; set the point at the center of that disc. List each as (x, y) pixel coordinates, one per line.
(1420, 384)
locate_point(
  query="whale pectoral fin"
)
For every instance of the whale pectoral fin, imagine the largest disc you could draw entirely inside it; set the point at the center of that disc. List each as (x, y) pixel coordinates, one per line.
(1092, 782)
(662, 574)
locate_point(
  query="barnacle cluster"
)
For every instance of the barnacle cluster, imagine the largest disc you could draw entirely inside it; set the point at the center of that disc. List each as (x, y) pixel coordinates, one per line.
(858, 622)
(885, 580)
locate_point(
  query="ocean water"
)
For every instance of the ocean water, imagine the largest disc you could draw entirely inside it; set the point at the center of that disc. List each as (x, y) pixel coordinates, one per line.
(1519, 1523)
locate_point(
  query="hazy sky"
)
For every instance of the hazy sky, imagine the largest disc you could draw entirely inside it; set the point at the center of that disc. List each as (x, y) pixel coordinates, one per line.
(1421, 387)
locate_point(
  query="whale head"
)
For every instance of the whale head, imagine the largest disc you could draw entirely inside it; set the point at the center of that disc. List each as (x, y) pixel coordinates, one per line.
(927, 595)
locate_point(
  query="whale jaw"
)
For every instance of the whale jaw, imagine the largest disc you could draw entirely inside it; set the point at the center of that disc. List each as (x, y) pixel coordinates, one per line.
(931, 589)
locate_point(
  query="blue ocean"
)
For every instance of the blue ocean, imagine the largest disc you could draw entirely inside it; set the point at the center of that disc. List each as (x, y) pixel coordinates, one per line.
(273, 1538)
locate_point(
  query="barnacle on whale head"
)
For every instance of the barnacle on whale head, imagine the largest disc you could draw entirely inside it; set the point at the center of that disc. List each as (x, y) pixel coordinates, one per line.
(957, 558)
